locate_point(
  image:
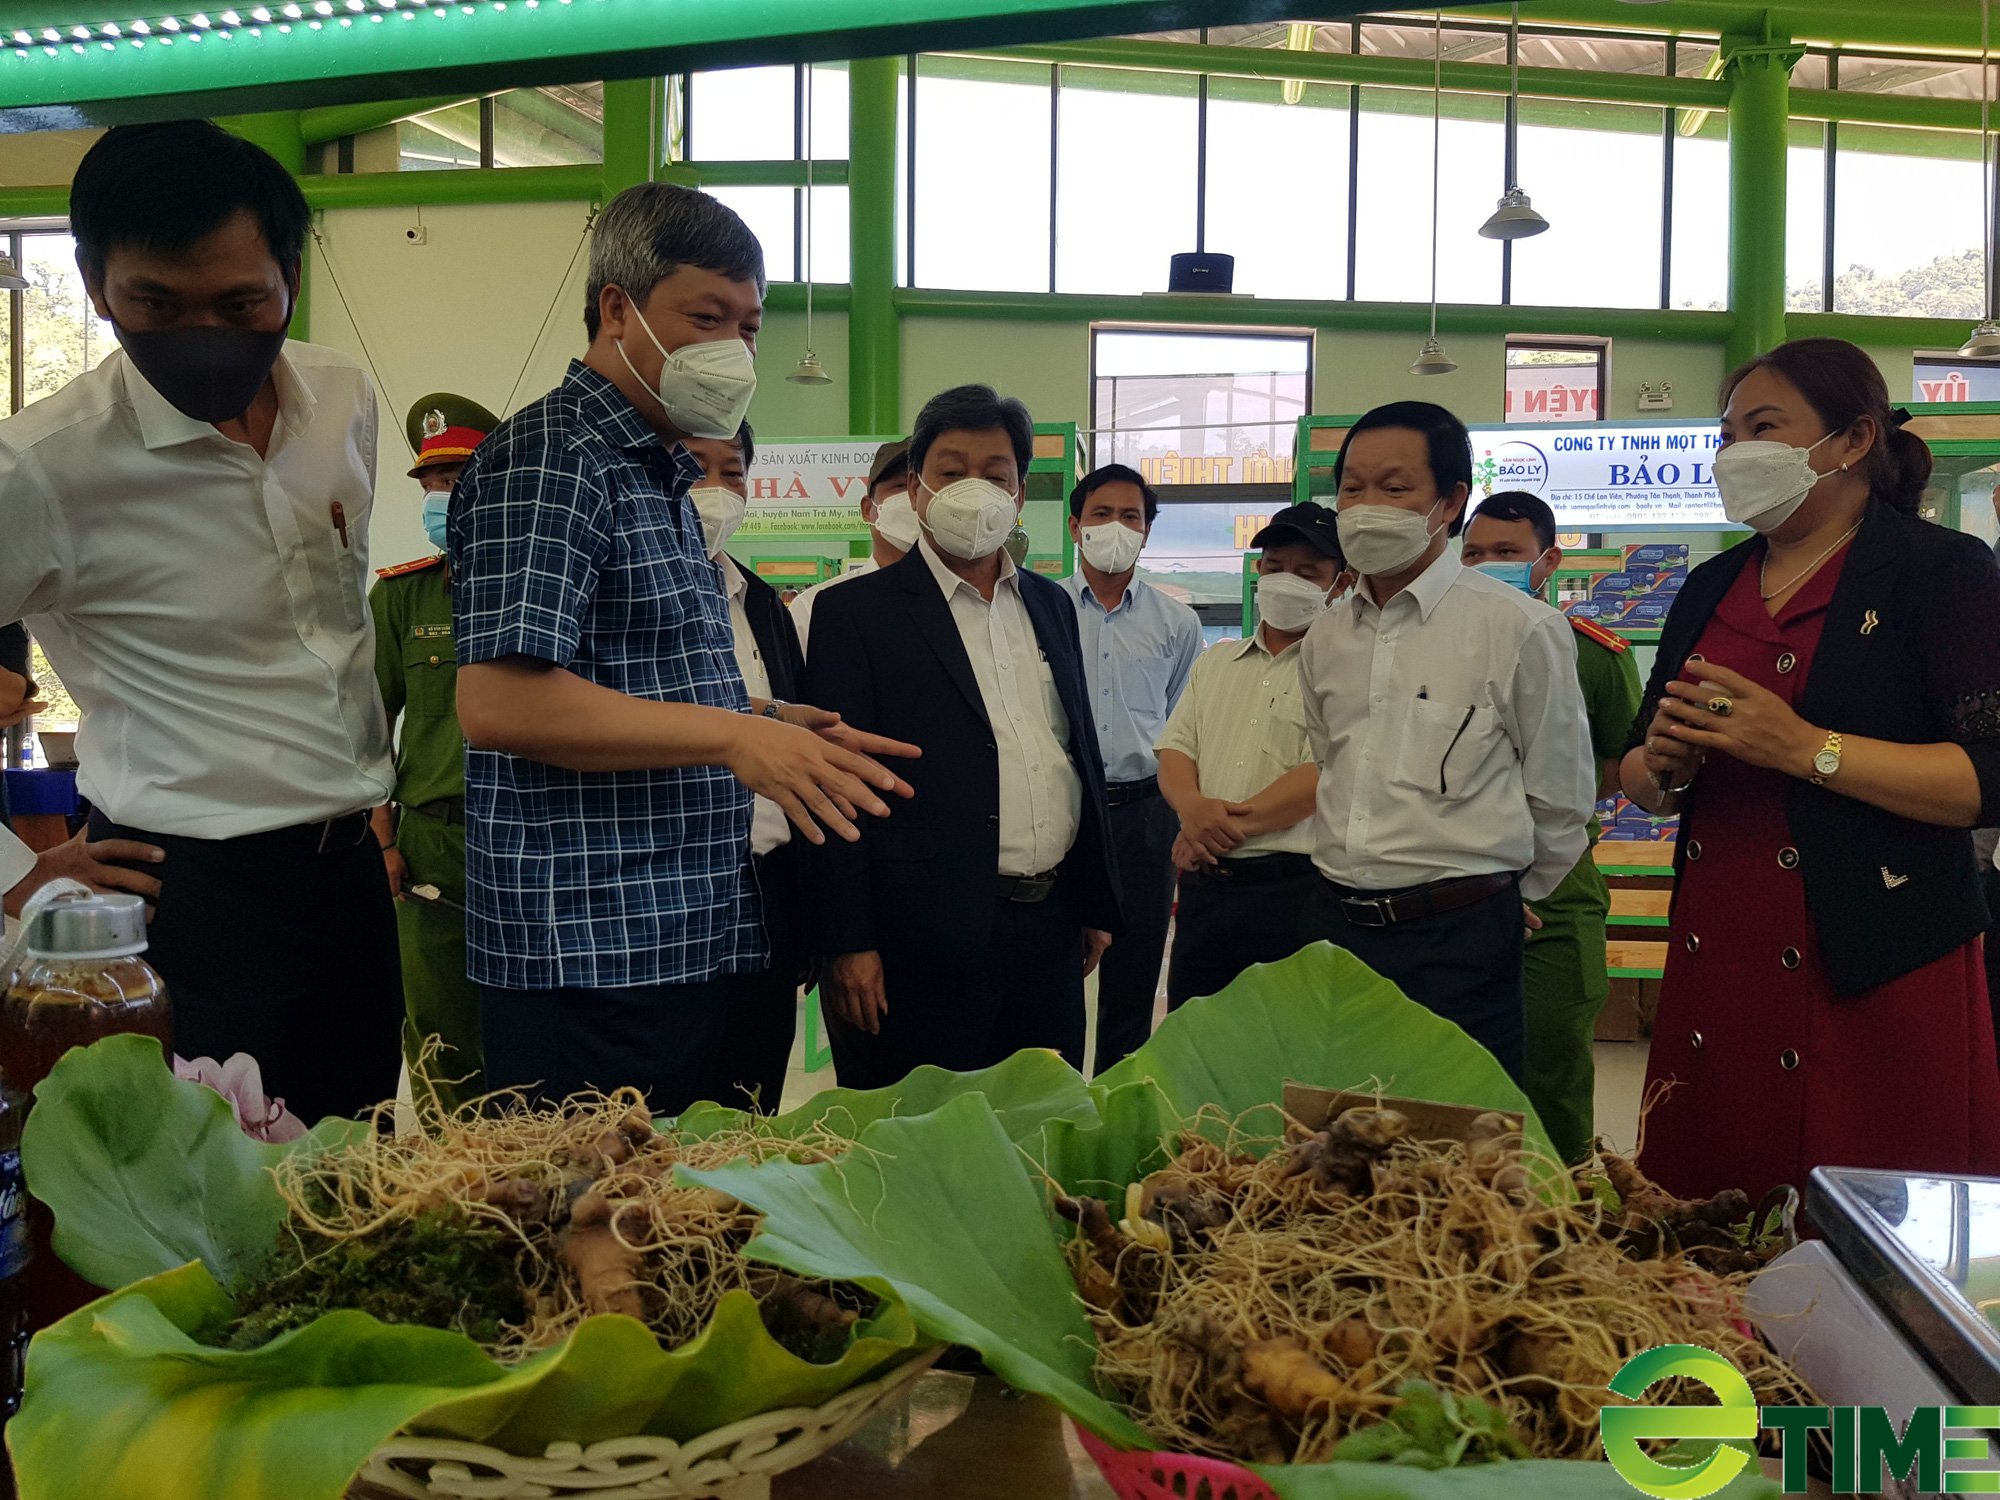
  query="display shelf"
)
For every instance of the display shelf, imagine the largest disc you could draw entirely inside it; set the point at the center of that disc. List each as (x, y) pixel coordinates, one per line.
(1640, 908)
(1631, 959)
(1633, 857)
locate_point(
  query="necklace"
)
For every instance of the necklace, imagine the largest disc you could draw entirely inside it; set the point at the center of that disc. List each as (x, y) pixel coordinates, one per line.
(1764, 568)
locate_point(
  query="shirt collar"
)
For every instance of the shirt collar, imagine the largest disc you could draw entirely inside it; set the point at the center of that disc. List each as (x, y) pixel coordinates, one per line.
(1427, 589)
(612, 413)
(732, 576)
(1080, 588)
(163, 425)
(1255, 642)
(950, 582)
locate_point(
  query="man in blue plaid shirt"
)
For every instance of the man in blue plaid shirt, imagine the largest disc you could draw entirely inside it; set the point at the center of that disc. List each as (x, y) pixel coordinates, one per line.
(613, 749)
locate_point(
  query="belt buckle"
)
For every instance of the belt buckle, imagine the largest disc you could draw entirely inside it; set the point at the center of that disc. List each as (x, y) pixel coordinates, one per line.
(326, 833)
(1377, 909)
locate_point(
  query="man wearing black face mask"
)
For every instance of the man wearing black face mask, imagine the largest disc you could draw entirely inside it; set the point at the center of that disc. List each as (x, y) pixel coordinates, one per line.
(186, 531)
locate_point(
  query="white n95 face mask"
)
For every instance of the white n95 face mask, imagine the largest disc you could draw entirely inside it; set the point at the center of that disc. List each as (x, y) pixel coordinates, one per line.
(1382, 539)
(970, 518)
(1113, 547)
(721, 513)
(705, 389)
(1763, 484)
(896, 521)
(1288, 602)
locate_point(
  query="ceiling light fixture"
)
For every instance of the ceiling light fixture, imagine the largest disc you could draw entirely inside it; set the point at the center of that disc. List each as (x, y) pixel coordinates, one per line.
(1433, 360)
(809, 371)
(1515, 218)
(1985, 340)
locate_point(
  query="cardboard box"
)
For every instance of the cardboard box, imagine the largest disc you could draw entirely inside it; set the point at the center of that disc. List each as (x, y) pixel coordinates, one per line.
(1317, 1108)
(1661, 556)
(1619, 1020)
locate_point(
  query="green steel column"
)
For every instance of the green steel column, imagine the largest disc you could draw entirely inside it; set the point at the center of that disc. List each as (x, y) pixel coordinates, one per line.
(634, 111)
(282, 135)
(874, 339)
(1760, 74)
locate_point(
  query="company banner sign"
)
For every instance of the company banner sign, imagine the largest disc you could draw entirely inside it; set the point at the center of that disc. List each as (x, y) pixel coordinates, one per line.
(809, 485)
(1606, 474)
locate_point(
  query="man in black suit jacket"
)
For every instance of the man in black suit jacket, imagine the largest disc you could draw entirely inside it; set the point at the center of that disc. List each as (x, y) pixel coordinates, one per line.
(762, 1008)
(963, 932)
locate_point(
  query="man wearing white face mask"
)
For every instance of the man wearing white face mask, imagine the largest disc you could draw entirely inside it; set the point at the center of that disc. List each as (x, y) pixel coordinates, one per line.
(1455, 772)
(614, 748)
(892, 527)
(1512, 537)
(762, 1007)
(1236, 742)
(960, 931)
(1138, 647)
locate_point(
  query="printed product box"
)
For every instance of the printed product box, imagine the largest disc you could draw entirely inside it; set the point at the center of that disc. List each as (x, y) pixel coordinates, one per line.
(1660, 556)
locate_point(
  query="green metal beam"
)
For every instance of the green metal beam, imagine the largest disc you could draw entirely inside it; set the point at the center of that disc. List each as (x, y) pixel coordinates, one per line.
(485, 46)
(1759, 83)
(49, 201)
(515, 185)
(1886, 109)
(874, 336)
(769, 173)
(335, 121)
(635, 112)
(1896, 24)
(1666, 325)
(1387, 72)
(1867, 328)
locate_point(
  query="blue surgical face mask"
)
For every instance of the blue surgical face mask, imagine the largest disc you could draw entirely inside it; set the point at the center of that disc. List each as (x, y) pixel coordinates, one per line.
(437, 511)
(1513, 572)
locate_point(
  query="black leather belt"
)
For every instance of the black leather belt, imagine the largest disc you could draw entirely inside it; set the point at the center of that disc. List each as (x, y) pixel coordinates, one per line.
(1025, 888)
(348, 831)
(1121, 792)
(445, 809)
(1422, 901)
(1258, 869)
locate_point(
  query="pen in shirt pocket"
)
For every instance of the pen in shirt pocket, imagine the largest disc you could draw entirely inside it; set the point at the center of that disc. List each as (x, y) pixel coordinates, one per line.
(337, 513)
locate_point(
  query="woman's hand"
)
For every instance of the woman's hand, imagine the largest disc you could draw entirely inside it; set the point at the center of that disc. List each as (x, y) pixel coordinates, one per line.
(1757, 726)
(1670, 762)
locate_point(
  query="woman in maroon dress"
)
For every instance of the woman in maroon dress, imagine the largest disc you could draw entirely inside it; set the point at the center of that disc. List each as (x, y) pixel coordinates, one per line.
(1825, 716)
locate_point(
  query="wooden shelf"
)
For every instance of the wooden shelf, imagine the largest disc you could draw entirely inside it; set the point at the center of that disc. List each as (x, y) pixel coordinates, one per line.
(1636, 960)
(1633, 908)
(1634, 857)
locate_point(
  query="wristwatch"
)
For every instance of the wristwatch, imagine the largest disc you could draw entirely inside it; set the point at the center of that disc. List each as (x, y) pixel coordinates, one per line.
(1827, 762)
(774, 708)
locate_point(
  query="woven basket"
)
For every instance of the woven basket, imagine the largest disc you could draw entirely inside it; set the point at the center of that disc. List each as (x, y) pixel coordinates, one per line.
(1171, 1476)
(731, 1463)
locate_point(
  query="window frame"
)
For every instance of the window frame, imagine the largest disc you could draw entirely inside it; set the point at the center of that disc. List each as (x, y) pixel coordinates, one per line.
(1557, 343)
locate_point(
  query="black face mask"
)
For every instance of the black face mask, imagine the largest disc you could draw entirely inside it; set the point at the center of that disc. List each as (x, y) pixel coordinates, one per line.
(209, 374)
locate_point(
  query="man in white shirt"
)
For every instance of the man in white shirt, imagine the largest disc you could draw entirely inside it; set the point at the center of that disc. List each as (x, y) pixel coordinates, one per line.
(186, 532)
(1237, 735)
(760, 1007)
(892, 527)
(960, 931)
(1456, 774)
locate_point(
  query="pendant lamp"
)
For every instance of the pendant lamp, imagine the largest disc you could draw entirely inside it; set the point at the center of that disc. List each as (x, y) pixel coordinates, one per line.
(11, 279)
(1433, 360)
(1515, 218)
(809, 371)
(1985, 340)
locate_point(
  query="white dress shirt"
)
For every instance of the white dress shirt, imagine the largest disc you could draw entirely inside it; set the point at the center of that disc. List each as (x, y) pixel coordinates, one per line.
(198, 601)
(1242, 721)
(1041, 795)
(769, 827)
(16, 860)
(1450, 732)
(802, 606)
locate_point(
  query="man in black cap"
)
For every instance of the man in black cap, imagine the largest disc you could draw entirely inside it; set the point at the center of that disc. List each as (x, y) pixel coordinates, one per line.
(1234, 741)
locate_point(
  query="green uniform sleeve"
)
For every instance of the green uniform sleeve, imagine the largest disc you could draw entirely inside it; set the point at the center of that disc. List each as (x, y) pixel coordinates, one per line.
(1611, 695)
(388, 650)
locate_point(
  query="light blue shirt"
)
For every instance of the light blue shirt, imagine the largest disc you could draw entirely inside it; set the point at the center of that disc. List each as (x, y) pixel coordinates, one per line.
(1136, 658)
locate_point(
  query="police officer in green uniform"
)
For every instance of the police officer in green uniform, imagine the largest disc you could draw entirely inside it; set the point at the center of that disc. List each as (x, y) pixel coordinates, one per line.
(423, 835)
(1513, 535)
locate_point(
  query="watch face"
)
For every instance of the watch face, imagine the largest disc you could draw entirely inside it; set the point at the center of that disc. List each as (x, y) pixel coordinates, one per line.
(1827, 762)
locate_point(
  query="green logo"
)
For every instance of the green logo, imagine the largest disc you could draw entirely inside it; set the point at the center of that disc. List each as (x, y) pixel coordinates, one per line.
(1733, 1421)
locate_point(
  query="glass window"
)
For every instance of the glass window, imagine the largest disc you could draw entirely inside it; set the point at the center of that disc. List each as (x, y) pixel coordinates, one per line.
(439, 140)
(1588, 52)
(1925, 77)
(1125, 177)
(769, 213)
(982, 170)
(829, 111)
(1554, 382)
(1327, 36)
(1805, 217)
(1701, 216)
(1392, 249)
(62, 336)
(1277, 187)
(1906, 233)
(1199, 408)
(742, 114)
(1599, 250)
(829, 234)
(549, 127)
(1416, 39)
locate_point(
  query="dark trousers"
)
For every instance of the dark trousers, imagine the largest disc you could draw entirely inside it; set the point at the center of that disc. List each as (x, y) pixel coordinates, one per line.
(761, 1010)
(1024, 989)
(1466, 965)
(661, 1039)
(271, 948)
(1234, 914)
(1128, 980)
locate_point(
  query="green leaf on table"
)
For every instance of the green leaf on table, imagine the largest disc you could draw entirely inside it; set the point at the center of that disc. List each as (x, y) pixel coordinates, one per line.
(145, 1172)
(1321, 1017)
(1026, 1090)
(1130, 1137)
(942, 1208)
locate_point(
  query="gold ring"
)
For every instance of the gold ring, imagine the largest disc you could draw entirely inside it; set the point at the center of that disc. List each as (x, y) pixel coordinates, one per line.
(1721, 706)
